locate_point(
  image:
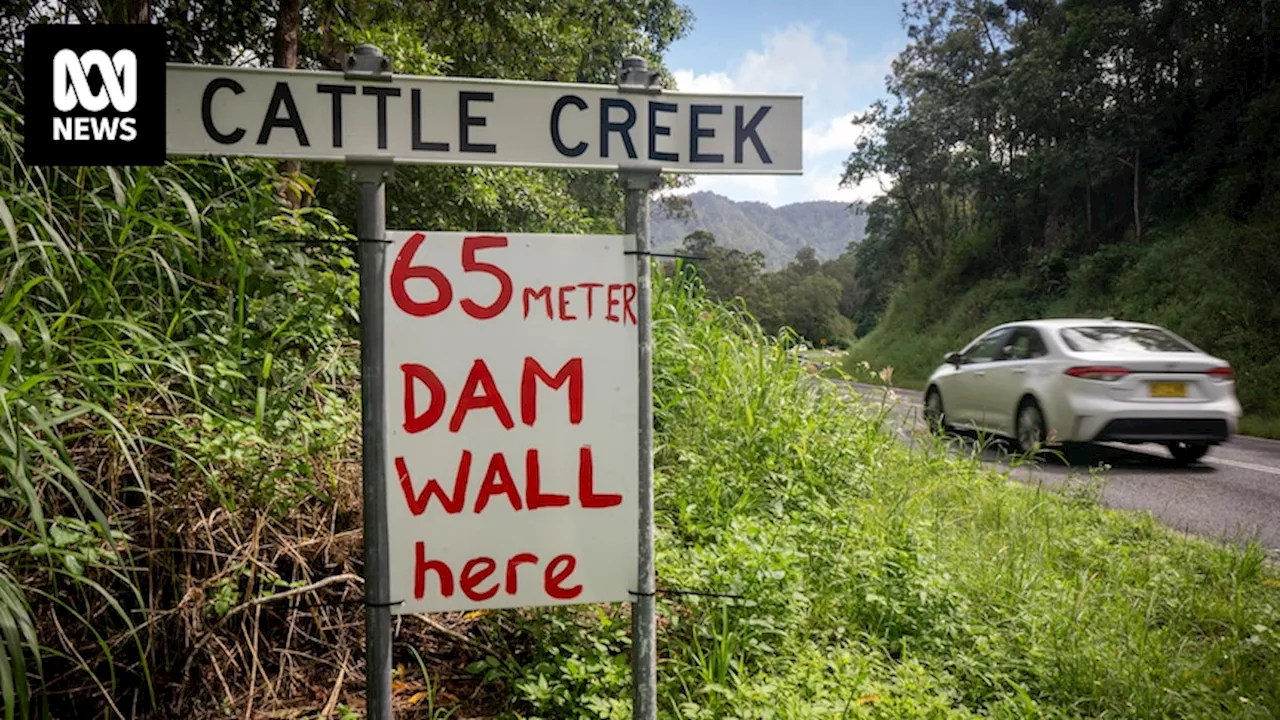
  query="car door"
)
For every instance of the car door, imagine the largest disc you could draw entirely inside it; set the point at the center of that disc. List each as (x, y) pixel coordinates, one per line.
(964, 400)
(1006, 379)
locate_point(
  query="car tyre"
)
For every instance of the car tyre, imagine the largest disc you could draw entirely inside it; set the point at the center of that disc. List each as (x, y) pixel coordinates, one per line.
(934, 413)
(1186, 453)
(1030, 431)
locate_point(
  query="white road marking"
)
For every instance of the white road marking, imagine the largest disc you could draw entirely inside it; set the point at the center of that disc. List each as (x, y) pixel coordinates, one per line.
(1244, 465)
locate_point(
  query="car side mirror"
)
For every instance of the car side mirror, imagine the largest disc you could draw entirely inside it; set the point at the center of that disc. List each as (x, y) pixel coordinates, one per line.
(952, 358)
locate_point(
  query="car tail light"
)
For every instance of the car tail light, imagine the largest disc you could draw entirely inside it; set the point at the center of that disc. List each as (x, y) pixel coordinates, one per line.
(1098, 372)
(1222, 373)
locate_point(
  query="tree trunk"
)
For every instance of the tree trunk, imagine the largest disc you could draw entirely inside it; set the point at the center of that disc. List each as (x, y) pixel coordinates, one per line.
(915, 214)
(1137, 215)
(128, 12)
(1266, 43)
(1088, 200)
(288, 27)
(140, 12)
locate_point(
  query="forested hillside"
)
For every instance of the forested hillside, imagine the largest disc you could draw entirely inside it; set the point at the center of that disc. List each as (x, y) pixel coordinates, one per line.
(777, 233)
(1098, 157)
(790, 268)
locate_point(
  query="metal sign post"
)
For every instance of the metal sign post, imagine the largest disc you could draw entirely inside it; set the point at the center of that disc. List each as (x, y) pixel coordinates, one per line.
(371, 175)
(636, 78)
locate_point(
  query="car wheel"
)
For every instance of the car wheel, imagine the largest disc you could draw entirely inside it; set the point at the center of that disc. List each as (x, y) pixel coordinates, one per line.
(1030, 427)
(934, 416)
(1187, 453)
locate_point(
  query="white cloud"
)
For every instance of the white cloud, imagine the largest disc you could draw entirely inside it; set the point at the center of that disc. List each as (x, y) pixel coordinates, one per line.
(689, 81)
(797, 60)
(838, 134)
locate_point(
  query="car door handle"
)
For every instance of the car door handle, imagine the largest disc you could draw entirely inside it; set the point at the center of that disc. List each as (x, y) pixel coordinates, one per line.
(1019, 371)
(980, 373)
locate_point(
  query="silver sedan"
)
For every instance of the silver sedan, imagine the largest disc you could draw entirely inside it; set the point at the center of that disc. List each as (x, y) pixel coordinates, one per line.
(1043, 382)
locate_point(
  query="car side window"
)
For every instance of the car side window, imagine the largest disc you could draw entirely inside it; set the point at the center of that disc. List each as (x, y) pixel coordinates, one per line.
(1025, 344)
(988, 348)
(1036, 345)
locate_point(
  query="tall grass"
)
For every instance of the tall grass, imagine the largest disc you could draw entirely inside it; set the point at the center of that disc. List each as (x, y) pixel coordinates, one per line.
(157, 347)
(871, 578)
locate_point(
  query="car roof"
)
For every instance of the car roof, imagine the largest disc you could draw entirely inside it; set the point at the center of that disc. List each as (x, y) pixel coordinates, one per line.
(1059, 323)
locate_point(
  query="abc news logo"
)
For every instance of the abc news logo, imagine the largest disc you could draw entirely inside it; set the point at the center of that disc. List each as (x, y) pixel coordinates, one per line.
(95, 95)
(71, 91)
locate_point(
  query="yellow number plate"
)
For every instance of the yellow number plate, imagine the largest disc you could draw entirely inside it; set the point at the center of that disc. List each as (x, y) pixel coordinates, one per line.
(1169, 390)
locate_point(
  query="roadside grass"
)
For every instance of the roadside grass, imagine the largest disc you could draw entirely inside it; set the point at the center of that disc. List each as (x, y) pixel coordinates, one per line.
(877, 579)
(1263, 427)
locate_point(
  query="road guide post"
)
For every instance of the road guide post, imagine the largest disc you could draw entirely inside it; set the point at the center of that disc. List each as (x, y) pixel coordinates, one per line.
(635, 77)
(371, 174)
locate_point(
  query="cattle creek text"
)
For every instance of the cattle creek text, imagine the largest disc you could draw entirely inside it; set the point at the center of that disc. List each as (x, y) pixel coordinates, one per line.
(445, 122)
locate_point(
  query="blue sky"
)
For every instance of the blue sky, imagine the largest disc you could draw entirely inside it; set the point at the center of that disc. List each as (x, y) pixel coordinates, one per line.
(834, 52)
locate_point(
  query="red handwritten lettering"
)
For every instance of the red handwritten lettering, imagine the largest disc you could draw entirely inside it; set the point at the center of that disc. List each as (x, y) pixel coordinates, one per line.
(533, 494)
(591, 288)
(611, 301)
(470, 264)
(414, 422)
(477, 570)
(497, 481)
(628, 298)
(587, 496)
(544, 294)
(471, 577)
(403, 270)
(552, 579)
(480, 378)
(564, 302)
(418, 503)
(570, 373)
(512, 564)
(420, 568)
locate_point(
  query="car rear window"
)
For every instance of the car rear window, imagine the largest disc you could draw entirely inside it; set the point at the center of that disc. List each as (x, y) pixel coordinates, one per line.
(1122, 340)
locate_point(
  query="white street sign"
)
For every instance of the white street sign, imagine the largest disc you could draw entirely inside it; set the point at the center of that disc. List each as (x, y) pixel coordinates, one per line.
(310, 115)
(511, 419)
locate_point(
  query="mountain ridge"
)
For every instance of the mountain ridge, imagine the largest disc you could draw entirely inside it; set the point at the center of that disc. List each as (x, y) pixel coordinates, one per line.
(750, 225)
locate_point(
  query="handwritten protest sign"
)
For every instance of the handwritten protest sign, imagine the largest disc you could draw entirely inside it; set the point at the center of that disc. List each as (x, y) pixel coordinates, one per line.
(511, 420)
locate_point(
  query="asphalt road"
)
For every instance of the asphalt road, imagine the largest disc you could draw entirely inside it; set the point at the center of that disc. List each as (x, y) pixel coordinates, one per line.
(1233, 494)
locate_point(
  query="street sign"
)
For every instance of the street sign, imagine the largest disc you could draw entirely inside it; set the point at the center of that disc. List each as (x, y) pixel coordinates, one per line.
(311, 115)
(511, 460)
(497, 390)
(506, 379)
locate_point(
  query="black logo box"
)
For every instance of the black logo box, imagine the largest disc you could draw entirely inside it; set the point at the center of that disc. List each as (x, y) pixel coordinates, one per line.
(41, 43)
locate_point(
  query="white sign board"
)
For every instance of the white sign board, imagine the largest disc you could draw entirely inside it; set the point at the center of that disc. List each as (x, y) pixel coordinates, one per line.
(511, 415)
(310, 115)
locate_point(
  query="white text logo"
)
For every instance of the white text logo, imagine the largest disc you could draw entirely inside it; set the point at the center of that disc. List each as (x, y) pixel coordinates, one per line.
(71, 90)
